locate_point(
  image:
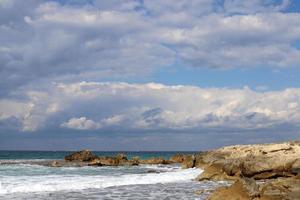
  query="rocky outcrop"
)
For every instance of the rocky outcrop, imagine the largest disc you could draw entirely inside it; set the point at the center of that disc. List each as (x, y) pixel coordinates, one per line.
(155, 161)
(267, 171)
(83, 156)
(271, 189)
(86, 157)
(255, 161)
(119, 160)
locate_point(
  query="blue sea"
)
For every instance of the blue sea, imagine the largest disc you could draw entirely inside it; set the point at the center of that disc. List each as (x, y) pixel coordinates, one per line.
(21, 177)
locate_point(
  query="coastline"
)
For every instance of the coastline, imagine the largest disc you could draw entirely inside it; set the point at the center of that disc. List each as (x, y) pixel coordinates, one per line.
(245, 172)
(257, 171)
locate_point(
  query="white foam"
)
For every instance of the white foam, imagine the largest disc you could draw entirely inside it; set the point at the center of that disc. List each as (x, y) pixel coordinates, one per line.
(50, 183)
(162, 167)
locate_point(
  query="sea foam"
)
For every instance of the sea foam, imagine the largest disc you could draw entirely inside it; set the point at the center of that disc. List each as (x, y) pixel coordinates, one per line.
(51, 183)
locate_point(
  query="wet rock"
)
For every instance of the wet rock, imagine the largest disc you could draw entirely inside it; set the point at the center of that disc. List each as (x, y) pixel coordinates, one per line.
(189, 162)
(178, 158)
(135, 161)
(153, 171)
(55, 163)
(199, 192)
(83, 156)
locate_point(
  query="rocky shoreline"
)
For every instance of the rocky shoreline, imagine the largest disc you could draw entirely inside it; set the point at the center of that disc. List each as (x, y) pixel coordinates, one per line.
(257, 172)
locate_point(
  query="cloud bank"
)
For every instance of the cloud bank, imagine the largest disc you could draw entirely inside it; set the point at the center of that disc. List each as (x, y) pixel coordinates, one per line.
(101, 107)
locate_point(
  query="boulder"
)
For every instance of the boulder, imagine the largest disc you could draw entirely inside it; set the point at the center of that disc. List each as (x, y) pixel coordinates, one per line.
(135, 161)
(215, 172)
(189, 162)
(242, 189)
(83, 156)
(177, 158)
(55, 163)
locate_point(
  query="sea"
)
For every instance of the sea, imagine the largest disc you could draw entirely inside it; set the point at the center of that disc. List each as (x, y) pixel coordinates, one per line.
(21, 177)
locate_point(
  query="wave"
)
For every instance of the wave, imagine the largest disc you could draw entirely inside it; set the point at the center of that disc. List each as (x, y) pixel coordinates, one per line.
(51, 183)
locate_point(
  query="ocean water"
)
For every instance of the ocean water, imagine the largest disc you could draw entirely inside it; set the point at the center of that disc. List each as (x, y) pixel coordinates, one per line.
(21, 177)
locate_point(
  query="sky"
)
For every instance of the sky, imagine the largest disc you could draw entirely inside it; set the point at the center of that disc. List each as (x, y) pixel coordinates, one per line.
(148, 75)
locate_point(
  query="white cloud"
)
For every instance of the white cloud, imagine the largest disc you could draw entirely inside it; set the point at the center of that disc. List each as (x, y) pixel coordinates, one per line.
(144, 107)
(81, 123)
(132, 38)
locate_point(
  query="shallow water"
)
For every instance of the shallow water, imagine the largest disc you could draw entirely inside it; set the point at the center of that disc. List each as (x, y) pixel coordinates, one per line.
(20, 179)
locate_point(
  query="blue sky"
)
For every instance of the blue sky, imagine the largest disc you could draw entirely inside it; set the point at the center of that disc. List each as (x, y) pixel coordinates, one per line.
(148, 75)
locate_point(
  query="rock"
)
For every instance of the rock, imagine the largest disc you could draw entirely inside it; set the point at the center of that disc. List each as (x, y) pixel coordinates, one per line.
(121, 157)
(242, 189)
(135, 161)
(278, 165)
(214, 172)
(199, 192)
(257, 161)
(83, 156)
(177, 158)
(55, 163)
(281, 188)
(273, 189)
(189, 162)
(155, 161)
(95, 162)
(153, 171)
(118, 160)
(109, 161)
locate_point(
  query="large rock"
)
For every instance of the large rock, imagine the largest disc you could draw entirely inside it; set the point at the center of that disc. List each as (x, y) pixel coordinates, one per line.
(248, 189)
(243, 189)
(277, 166)
(178, 158)
(188, 162)
(256, 161)
(215, 172)
(83, 156)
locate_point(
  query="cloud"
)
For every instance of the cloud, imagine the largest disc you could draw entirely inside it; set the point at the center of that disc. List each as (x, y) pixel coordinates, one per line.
(151, 107)
(81, 123)
(50, 40)
(254, 6)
